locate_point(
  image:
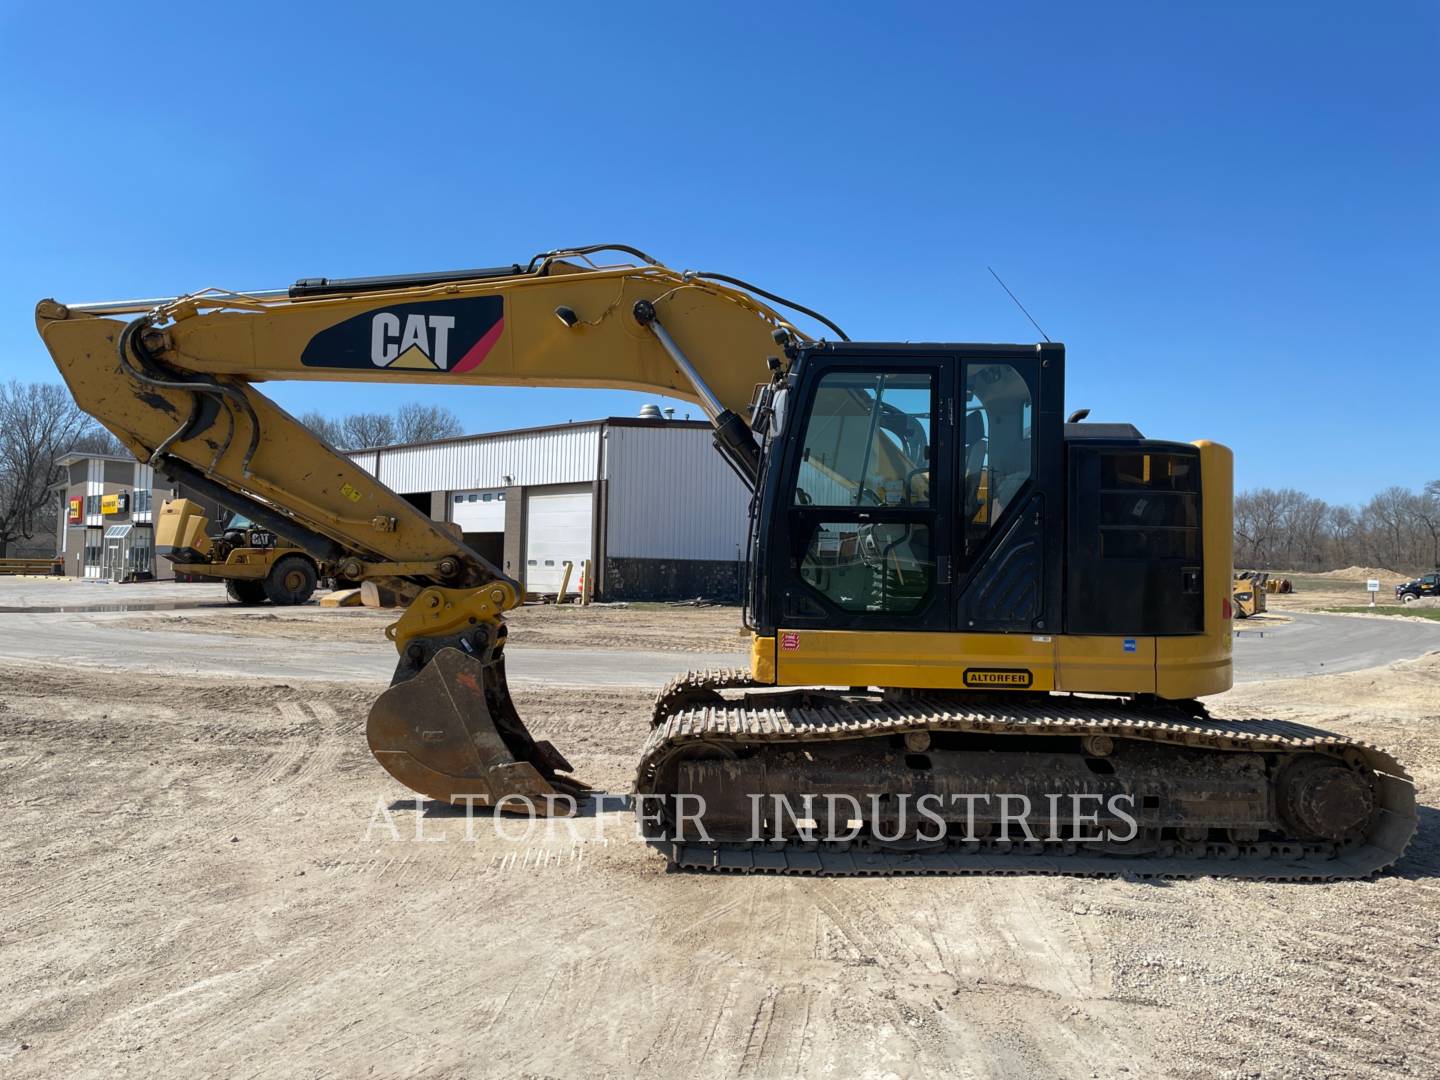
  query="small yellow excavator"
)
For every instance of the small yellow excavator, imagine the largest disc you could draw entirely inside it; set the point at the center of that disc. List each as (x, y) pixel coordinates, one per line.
(953, 668)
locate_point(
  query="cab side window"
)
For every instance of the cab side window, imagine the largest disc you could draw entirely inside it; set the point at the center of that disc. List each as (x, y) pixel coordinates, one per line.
(999, 448)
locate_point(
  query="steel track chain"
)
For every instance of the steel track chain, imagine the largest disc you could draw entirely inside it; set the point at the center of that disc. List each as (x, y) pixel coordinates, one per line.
(698, 687)
(794, 717)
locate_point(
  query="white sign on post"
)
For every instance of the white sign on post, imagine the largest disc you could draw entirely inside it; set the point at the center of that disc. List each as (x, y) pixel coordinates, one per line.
(1373, 587)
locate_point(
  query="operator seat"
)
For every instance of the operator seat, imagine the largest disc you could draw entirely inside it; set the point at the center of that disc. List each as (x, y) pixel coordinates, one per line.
(977, 446)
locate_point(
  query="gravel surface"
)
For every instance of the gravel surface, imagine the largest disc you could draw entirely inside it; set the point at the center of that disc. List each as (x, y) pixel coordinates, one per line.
(201, 878)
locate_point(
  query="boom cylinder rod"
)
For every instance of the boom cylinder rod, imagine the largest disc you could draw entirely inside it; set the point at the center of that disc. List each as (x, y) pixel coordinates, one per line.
(645, 316)
(733, 436)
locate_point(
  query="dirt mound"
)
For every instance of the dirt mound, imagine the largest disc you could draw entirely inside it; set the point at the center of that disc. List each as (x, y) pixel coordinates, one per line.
(1364, 573)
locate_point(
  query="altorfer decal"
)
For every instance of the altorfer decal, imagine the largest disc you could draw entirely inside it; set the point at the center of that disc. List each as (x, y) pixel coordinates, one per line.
(1018, 678)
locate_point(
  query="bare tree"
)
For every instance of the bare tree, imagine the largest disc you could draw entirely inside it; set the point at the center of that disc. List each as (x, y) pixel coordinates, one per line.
(97, 440)
(1306, 522)
(1342, 538)
(322, 425)
(359, 430)
(1257, 527)
(1426, 512)
(38, 423)
(1391, 512)
(410, 423)
(421, 423)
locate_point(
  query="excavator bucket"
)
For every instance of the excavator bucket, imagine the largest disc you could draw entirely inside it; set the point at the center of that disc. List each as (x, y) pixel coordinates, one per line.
(451, 732)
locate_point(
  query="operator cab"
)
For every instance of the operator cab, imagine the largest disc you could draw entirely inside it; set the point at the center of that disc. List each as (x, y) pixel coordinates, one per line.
(936, 487)
(241, 532)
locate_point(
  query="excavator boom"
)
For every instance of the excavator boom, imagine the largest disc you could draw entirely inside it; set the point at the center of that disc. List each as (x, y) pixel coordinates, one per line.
(176, 380)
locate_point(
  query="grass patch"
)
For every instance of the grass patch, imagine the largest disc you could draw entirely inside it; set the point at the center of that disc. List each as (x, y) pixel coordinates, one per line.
(1388, 609)
(1311, 583)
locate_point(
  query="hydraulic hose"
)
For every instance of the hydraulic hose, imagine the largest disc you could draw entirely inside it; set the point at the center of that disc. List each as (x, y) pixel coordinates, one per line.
(131, 342)
(774, 299)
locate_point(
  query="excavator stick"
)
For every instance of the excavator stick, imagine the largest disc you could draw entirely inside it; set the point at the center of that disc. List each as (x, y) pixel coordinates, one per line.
(450, 731)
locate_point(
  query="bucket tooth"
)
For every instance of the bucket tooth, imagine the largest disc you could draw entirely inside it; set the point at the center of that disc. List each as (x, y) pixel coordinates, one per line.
(452, 733)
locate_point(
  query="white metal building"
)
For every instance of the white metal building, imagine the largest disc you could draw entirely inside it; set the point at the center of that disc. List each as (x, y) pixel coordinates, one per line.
(648, 501)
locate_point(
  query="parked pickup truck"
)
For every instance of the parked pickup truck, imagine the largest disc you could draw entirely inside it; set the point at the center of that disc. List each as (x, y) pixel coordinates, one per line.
(1424, 585)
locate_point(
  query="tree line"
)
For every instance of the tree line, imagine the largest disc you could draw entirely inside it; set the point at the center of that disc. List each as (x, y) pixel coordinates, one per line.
(409, 423)
(1285, 529)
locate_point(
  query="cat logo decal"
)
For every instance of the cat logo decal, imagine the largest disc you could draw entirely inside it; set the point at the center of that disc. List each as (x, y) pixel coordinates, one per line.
(451, 336)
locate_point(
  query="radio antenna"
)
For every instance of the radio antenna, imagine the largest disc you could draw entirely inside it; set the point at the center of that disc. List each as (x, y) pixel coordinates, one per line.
(1018, 304)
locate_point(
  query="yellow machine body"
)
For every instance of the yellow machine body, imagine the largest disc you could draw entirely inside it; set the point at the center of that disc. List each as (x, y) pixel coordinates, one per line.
(1249, 591)
(181, 524)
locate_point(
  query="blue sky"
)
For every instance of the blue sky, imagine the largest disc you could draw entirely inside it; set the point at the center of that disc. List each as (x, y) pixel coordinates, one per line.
(1228, 212)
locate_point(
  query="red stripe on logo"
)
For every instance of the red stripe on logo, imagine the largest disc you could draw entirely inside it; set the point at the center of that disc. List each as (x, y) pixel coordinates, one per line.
(481, 348)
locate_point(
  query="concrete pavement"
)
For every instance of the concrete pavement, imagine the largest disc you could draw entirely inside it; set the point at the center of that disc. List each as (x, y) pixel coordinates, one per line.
(85, 635)
(1314, 644)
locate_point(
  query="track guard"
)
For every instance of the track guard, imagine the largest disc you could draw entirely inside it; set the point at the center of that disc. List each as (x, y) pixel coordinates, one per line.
(451, 732)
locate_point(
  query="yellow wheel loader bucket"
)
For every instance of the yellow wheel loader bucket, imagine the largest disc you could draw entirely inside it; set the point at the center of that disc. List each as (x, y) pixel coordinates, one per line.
(451, 732)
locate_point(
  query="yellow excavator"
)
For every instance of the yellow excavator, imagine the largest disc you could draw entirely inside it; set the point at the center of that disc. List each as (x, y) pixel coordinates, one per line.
(980, 633)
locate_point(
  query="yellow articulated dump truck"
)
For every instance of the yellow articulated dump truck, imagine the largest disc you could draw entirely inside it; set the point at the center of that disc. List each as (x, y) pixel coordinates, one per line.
(255, 564)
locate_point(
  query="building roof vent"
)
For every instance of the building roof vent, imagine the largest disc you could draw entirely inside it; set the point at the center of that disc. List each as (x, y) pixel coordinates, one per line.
(650, 411)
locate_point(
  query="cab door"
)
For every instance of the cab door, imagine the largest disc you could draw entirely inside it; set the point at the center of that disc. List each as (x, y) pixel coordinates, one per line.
(862, 520)
(1009, 489)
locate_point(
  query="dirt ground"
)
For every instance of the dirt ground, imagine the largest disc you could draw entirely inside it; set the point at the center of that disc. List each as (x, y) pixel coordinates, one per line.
(650, 626)
(1318, 592)
(202, 879)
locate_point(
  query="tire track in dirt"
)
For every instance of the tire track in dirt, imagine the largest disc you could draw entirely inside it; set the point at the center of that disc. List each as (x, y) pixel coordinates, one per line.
(1329, 995)
(1274, 1042)
(862, 919)
(270, 784)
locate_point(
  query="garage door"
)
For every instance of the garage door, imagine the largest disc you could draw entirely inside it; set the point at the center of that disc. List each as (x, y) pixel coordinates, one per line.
(481, 510)
(557, 530)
